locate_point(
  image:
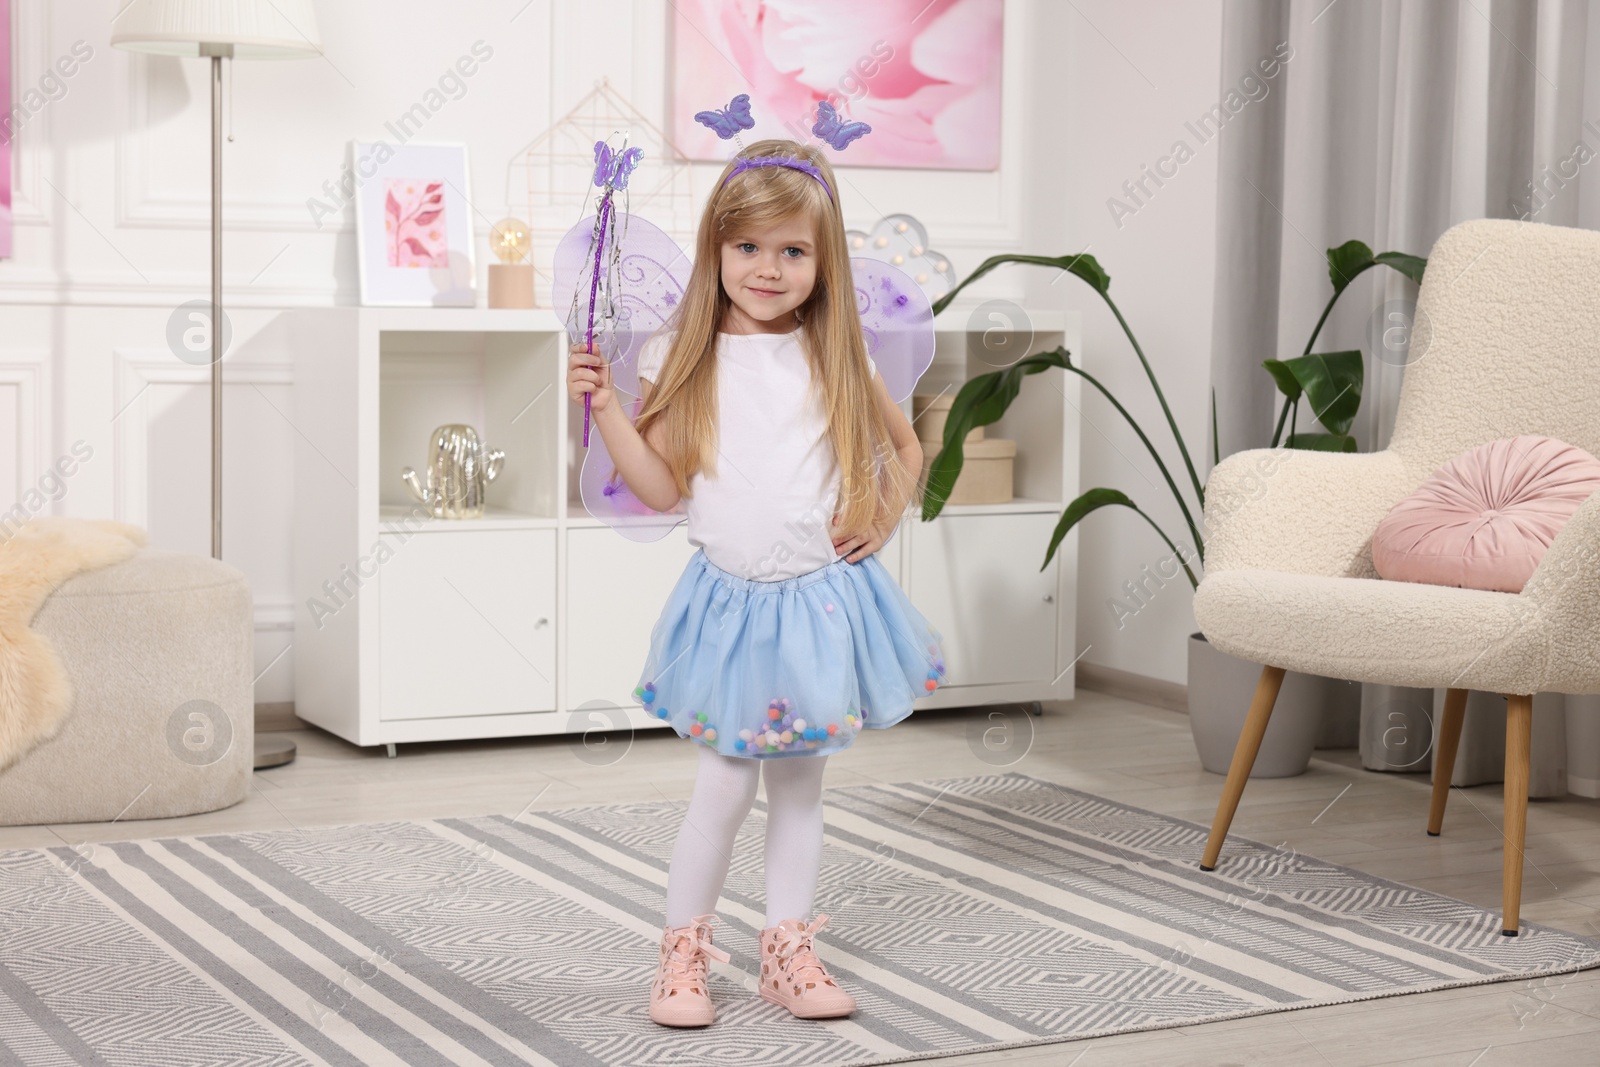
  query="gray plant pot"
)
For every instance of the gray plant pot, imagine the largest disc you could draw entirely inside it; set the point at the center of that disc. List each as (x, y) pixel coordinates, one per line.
(1341, 715)
(1397, 728)
(1583, 745)
(1221, 688)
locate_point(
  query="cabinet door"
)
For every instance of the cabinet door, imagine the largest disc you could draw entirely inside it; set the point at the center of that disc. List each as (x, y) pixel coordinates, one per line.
(468, 623)
(615, 592)
(977, 579)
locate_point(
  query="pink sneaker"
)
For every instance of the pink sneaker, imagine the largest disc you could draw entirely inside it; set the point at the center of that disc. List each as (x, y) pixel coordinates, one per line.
(680, 994)
(791, 974)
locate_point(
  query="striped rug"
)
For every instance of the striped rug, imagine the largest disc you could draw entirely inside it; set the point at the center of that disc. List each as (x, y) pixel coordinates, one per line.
(968, 914)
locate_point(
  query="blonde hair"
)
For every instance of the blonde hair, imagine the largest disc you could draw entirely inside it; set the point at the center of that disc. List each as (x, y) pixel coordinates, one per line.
(869, 467)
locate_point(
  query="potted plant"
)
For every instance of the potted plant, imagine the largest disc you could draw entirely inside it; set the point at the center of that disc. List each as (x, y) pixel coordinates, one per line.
(1220, 686)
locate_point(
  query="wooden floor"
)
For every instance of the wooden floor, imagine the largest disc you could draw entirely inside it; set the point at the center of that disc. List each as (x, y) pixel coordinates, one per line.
(1115, 748)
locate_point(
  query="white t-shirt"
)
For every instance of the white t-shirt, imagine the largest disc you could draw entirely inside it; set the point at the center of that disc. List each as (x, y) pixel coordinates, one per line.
(768, 513)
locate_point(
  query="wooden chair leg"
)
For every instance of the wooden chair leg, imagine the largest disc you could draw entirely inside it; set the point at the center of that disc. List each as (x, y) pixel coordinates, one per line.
(1519, 733)
(1244, 757)
(1446, 739)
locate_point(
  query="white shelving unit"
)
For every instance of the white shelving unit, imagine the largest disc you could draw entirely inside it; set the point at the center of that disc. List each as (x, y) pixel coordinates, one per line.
(535, 619)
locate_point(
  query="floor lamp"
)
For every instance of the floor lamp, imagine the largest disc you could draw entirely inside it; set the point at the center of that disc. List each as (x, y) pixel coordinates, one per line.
(218, 30)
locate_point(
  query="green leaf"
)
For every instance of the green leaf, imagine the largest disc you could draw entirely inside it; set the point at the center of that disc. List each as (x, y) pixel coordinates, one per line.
(1088, 268)
(1082, 265)
(1323, 442)
(1411, 266)
(1283, 374)
(1093, 500)
(1331, 382)
(1347, 261)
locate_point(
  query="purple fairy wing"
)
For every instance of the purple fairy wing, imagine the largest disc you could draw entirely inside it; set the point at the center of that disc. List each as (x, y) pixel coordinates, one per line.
(640, 283)
(897, 319)
(607, 497)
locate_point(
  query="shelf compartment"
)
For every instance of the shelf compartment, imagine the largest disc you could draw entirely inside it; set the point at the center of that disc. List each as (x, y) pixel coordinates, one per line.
(506, 385)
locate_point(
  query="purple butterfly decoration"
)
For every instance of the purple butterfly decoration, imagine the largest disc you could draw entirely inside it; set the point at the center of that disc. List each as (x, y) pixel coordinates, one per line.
(614, 168)
(838, 133)
(728, 121)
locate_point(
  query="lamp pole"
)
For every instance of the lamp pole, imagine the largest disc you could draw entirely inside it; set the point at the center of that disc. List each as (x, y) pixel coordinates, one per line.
(218, 30)
(217, 52)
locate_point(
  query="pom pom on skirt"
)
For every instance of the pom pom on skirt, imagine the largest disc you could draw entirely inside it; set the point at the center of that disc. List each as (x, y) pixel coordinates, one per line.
(787, 668)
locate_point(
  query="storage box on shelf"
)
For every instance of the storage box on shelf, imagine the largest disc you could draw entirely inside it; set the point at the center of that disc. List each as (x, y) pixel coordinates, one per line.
(535, 618)
(987, 463)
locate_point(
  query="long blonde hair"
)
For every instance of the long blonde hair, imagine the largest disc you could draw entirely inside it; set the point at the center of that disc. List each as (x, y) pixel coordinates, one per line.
(869, 467)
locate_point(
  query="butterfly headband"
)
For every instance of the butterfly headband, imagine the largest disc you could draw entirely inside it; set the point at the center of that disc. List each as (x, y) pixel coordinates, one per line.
(727, 122)
(748, 163)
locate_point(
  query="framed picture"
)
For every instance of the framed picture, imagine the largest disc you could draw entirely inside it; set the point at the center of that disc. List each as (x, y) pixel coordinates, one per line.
(6, 129)
(414, 225)
(925, 76)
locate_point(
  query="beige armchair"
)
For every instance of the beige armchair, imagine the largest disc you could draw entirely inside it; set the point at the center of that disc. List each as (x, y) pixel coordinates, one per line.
(1507, 342)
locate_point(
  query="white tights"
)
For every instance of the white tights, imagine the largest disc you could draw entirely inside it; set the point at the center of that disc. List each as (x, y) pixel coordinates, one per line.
(724, 790)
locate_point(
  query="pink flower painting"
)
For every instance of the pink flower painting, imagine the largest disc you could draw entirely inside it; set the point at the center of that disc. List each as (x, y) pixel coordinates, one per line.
(413, 222)
(5, 144)
(924, 75)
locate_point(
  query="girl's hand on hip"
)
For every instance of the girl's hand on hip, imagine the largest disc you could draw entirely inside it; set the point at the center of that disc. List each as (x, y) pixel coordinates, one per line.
(861, 545)
(589, 373)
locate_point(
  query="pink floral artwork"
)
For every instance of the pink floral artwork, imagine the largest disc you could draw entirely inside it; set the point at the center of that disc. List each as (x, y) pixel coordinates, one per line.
(413, 222)
(6, 129)
(924, 74)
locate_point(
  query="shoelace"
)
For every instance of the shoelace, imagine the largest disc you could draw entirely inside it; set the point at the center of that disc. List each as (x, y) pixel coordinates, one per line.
(796, 958)
(686, 962)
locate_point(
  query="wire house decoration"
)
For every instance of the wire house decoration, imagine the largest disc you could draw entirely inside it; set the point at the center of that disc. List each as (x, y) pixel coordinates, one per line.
(555, 175)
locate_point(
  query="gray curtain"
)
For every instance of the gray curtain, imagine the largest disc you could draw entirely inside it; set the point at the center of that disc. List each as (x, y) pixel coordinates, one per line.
(1389, 122)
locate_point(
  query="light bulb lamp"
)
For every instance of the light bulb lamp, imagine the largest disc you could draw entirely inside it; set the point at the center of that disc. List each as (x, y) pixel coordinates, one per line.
(511, 279)
(218, 30)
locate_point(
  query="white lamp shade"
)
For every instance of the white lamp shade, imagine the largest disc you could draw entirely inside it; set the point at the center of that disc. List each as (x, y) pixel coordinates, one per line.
(257, 29)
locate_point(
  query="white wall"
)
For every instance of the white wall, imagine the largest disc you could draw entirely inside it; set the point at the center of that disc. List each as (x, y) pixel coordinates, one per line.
(112, 235)
(1132, 75)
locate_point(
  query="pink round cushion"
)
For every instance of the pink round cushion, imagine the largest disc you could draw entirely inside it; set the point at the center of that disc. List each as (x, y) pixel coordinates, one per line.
(1485, 519)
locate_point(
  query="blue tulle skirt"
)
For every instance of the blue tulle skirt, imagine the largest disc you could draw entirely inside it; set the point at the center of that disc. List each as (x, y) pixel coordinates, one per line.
(794, 667)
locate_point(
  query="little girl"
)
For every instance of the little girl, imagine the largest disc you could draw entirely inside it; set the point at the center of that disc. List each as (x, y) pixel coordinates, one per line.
(785, 635)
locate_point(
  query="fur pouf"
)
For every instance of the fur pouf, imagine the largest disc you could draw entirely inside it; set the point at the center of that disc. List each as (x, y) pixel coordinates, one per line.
(35, 693)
